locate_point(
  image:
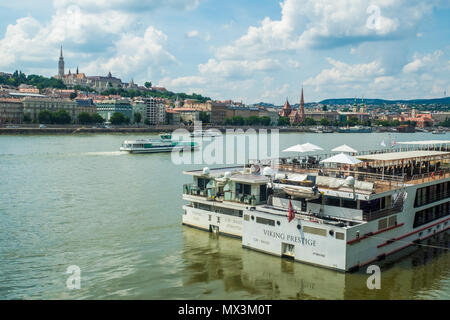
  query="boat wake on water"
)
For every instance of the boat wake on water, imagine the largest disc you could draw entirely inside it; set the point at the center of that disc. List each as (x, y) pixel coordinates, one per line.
(107, 153)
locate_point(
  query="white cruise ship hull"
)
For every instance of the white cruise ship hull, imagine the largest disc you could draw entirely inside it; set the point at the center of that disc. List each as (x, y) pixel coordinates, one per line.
(213, 221)
(157, 149)
(319, 244)
(328, 246)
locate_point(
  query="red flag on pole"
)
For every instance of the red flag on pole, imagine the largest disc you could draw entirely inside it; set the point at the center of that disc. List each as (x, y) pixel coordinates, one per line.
(291, 212)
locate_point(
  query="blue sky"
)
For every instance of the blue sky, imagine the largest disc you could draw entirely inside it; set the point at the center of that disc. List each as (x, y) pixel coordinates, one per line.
(250, 51)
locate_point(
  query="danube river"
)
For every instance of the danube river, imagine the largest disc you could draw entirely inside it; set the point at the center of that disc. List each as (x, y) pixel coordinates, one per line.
(76, 200)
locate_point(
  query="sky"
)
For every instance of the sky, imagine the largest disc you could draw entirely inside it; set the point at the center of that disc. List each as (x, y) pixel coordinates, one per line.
(249, 51)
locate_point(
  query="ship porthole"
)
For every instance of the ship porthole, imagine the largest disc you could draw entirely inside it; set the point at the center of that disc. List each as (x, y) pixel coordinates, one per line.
(253, 217)
(299, 227)
(278, 223)
(331, 233)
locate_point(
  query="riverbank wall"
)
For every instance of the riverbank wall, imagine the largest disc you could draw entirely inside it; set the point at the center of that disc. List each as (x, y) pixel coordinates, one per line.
(73, 130)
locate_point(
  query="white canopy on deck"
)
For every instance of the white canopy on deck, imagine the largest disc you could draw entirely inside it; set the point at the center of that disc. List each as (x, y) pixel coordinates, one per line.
(344, 148)
(307, 147)
(311, 146)
(297, 148)
(425, 142)
(396, 156)
(342, 159)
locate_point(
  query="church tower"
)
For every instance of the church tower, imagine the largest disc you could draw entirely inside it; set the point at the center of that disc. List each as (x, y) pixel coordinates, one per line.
(61, 66)
(301, 108)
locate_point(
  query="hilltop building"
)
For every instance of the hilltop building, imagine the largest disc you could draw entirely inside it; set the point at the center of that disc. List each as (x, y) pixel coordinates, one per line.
(95, 82)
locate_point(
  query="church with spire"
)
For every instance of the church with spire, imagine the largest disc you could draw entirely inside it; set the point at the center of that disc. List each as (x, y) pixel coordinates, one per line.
(96, 82)
(296, 116)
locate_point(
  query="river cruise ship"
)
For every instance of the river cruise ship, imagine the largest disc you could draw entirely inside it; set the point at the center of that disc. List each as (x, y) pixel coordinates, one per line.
(204, 134)
(336, 216)
(164, 144)
(355, 129)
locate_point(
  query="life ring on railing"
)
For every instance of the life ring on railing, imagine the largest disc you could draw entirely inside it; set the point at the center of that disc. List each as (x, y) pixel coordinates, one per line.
(345, 167)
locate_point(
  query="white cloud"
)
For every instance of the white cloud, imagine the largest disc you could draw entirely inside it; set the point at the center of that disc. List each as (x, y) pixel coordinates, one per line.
(135, 56)
(425, 62)
(426, 76)
(193, 34)
(342, 73)
(236, 69)
(90, 30)
(126, 5)
(327, 24)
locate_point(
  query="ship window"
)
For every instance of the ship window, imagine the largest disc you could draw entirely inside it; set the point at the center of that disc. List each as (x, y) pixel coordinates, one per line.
(206, 207)
(202, 183)
(382, 224)
(263, 192)
(265, 221)
(428, 215)
(317, 231)
(351, 204)
(246, 217)
(340, 236)
(244, 189)
(230, 212)
(392, 221)
(332, 201)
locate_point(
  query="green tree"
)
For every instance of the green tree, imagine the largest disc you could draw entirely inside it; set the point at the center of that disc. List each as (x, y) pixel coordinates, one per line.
(204, 117)
(265, 121)
(96, 118)
(137, 117)
(73, 95)
(147, 122)
(238, 121)
(148, 85)
(117, 118)
(324, 122)
(61, 117)
(309, 122)
(84, 118)
(352, 121)
(252, 121)
(27, 118)
(284, 121)
(45, 117)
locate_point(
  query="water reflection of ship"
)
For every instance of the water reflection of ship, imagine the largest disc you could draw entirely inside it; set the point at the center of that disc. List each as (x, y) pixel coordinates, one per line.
(416, 271)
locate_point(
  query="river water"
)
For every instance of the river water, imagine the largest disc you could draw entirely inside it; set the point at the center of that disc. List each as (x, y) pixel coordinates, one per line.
(76, 200)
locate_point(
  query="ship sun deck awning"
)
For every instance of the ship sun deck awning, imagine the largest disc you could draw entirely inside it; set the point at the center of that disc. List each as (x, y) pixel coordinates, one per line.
(398, 156)
(425, 142)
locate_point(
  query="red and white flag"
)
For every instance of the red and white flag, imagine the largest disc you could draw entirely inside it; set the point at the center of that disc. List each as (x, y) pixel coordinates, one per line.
(291, 212)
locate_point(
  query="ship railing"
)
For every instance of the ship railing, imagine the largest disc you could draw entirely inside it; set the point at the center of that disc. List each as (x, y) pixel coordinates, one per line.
(228, 196)
(442, 173)
(341, 173)
(397, 207)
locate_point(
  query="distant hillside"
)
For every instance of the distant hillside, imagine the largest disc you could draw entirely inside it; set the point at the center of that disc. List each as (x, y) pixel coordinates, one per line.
(382, 101)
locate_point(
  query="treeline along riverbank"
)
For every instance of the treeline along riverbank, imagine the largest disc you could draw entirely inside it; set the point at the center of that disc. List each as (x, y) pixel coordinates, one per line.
(121, 130)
